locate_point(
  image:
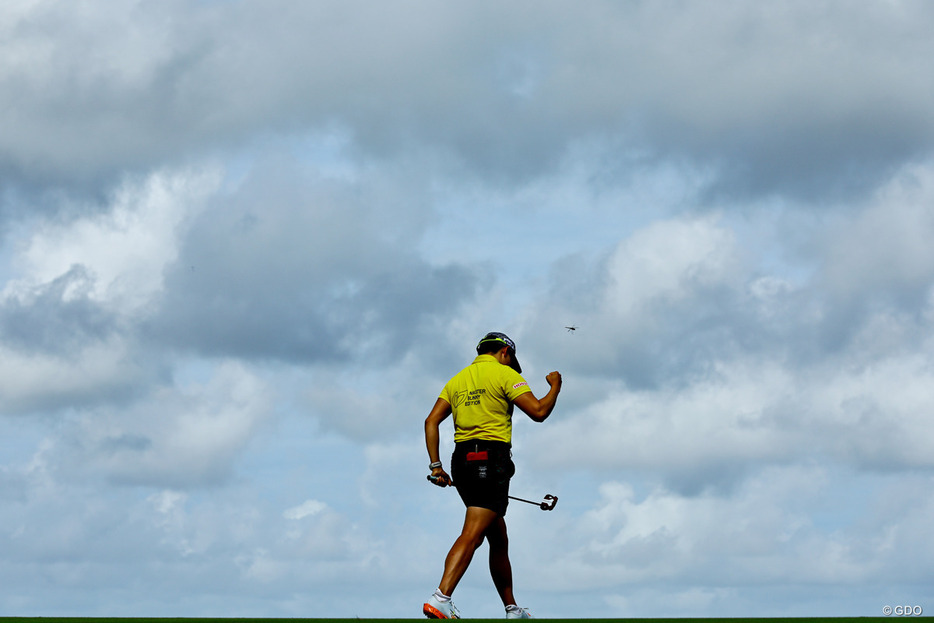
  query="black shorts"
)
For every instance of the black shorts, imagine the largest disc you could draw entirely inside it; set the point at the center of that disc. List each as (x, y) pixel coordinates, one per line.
(481, 471)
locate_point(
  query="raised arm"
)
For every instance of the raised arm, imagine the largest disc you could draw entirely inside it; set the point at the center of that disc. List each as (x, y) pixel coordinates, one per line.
(539, 410)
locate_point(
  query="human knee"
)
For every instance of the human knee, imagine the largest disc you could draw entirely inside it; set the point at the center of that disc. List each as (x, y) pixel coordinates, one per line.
(498, 542)
(497, 537)
(472, 539)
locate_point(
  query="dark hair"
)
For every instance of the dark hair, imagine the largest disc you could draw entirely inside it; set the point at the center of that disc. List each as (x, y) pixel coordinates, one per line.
(493, 342)
(490, 346)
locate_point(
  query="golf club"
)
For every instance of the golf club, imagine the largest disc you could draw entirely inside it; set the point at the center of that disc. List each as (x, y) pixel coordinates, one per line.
(545, 505)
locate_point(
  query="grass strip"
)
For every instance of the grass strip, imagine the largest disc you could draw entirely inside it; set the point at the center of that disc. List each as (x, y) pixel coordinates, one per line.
(874, 619)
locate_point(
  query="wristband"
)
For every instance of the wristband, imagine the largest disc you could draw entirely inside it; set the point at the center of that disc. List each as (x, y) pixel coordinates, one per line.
(435, 465)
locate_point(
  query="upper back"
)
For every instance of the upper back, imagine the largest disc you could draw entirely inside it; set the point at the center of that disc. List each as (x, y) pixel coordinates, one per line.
(481, 397)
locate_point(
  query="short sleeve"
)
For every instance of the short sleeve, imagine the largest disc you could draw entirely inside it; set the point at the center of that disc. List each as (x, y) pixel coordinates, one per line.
(515, 385)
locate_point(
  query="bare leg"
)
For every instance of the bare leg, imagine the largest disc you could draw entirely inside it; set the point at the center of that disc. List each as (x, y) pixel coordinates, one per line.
(476, 522)
(500, 567)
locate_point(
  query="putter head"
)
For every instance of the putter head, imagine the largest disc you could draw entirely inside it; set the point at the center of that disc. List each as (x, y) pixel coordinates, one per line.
(546, 505)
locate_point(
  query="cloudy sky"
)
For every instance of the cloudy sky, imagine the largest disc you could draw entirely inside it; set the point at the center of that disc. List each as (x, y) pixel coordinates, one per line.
(244, 244)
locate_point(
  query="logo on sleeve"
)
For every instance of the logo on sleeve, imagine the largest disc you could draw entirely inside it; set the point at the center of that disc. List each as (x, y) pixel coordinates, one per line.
(518, 385)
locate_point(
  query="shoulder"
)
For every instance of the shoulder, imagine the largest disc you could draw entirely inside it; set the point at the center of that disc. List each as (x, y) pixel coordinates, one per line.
(513, 382)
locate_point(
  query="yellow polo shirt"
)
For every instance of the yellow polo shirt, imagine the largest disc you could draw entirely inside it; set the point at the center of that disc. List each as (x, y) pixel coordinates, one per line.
(481, 397)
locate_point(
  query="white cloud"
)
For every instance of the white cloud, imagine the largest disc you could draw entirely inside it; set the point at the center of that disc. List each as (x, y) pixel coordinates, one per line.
(305, 509)
(176, 437)
(731, 416)
(765, 96)
(885, 248)
(125, 249)
(668, 260)
(245, 244)
(42, 381)
(645, 550)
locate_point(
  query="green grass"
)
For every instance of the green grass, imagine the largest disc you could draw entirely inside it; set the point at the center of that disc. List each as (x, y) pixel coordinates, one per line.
(255, 620)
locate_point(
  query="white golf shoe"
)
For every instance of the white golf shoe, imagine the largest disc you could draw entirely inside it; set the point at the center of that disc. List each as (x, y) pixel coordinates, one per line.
(434, 608)
(518, 613)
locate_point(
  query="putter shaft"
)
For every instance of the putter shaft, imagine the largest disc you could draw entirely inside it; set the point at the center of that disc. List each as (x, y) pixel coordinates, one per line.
(545, 505)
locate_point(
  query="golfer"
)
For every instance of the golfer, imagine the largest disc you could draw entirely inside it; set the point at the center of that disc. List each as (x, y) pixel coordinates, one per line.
(481, 397)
